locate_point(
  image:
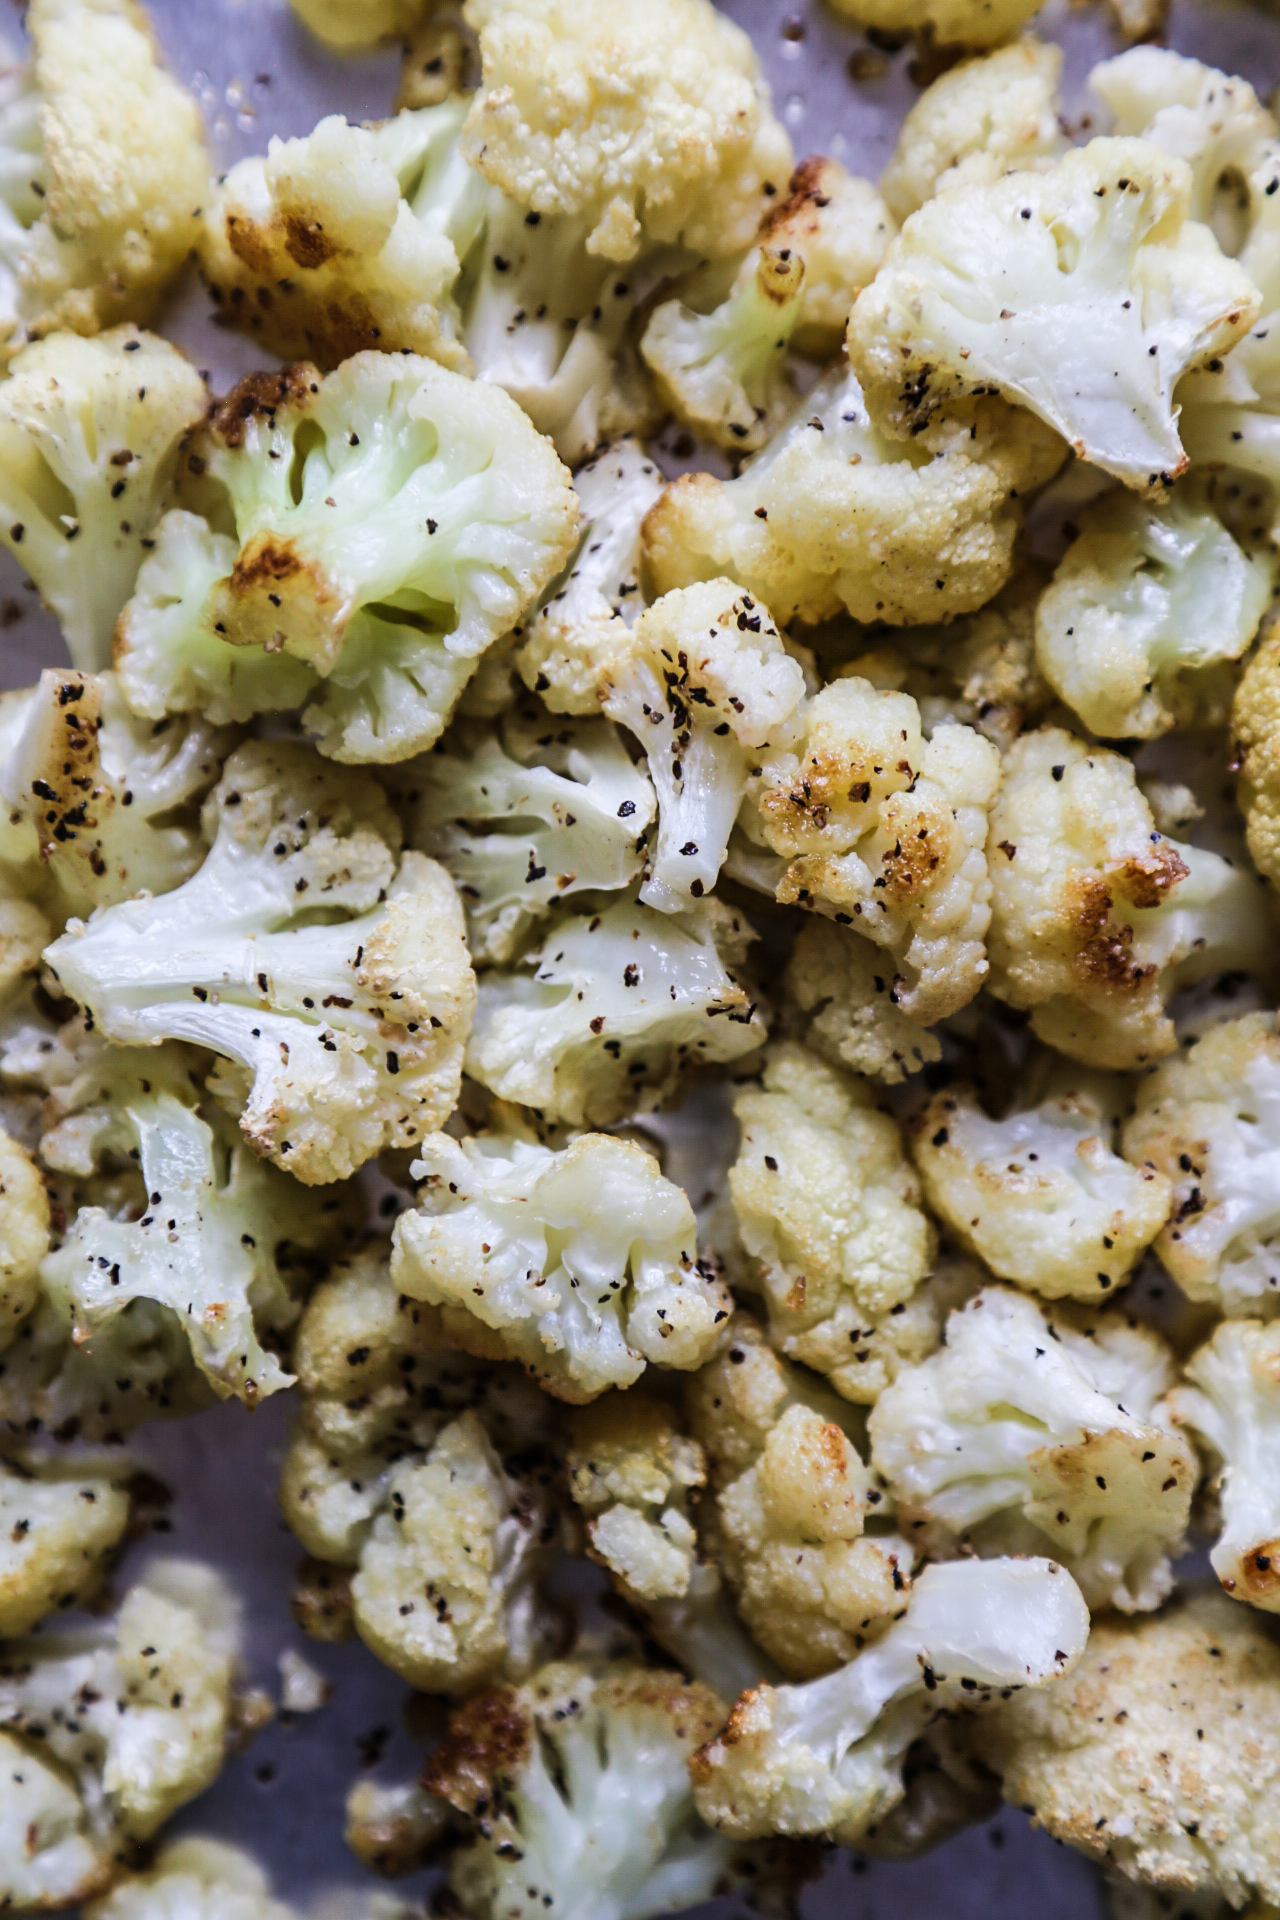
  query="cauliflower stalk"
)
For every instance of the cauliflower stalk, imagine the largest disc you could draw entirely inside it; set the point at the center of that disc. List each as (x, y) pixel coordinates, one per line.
(1082, 293)
(1230, 1397)
(826, 1757)
(335, 978)
(582, 1265)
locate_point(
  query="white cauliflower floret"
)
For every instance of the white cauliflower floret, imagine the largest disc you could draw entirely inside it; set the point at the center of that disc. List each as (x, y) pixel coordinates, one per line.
(114, 800)
(850, 1001)
(608, 1012)
(828, 1208)
(24, 1235)
(1159, 1756)
(979, 120)
(719, 357)
(107, 174)
(1209, 1121)
(525, 814)
(839, 226)
(1146, 603)
(1041, 1194)
(347, 239)
(1230, 1403)
(705, 684)
(90, 432)
(1096, 917)
(106, 1734)
(1022, 1418)
(826, 1757)
(582, 1264)
(60, 1522)
(632, 1473)
(339, 985)
(965, 23)
(578, 627)
(576, 1789)
(431, 551)
(835, 516)
(650, 121)
(887, 833)
(353, 26)
(793, 1497)
(1083, 292)
(394, 1827)
(195, 1879)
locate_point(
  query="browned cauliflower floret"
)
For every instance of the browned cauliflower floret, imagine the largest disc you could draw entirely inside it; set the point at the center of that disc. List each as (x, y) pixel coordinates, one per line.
(632, 1472)
(1255, 723)
(840, 227)
(1096, 917)
(1160, 1755)
(1231, 1402)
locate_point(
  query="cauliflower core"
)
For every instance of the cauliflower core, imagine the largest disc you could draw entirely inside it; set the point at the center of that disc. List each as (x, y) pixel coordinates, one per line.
(582, 1265)
(1232, 1398)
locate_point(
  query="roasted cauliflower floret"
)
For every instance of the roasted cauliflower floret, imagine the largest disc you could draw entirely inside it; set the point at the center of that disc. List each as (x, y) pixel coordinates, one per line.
(834, 516)
(334, 977)
(610, 1010)
(1230, 1403)
(1209, 1122)
(1047, 1421)
(840, 227)
(195, 1879)
(60, 1522)
(964, 23)
(979, 120)
(1146, 607)
(90, 432)
(104, 1735)
(632, 1472)
(651, 122)
(582, 1265)
(352, 26)
(1096, 917)
(1041, 1194)
(24, 1235)
(849, 1004)
(828, 1209)
(108, 178)
(826, 1758)
(1255, 725)
(886, 833)
(1083, 293)
(1159, 1755)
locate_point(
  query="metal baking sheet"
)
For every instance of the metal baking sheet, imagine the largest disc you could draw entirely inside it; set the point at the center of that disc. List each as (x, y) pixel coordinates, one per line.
(255, 73)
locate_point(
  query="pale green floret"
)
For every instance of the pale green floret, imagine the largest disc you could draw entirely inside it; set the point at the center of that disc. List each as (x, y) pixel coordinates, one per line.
(720, 364)
(1145, 604)
(527, 813)
(337, 983)
(827, 1757)
(582, 1265)
(609, 1010)
(89, 440)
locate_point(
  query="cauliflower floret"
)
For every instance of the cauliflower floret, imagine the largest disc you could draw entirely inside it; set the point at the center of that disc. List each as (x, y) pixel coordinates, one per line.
(887, 833)
(1096, 917)
(1024, 1418)
(578, 628)
(965, 23)
(1041, 1195)
(90, 432)
(1160, 1755)
(705, 684)
(826, 1757)
(977, 121)
(1145, 607)
(339, 984)
(394, 1828)
(525, 814)
(650, 119)
(582, 1265)
(1209, 1122)
(792, 1500)
(353, 26)
(114, 800)
(839, 226)
(828, 1208)
(850, 1001)
(833, 515)
(347, 239)
(60, 1521)
(632, 1473)
(608, 1012)
(1233, 1396)
(196, 1879)
(110, 172)
(106, 1734)
(1255, 725)
(24, 1235)
(1083, 292)
(436, 552)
